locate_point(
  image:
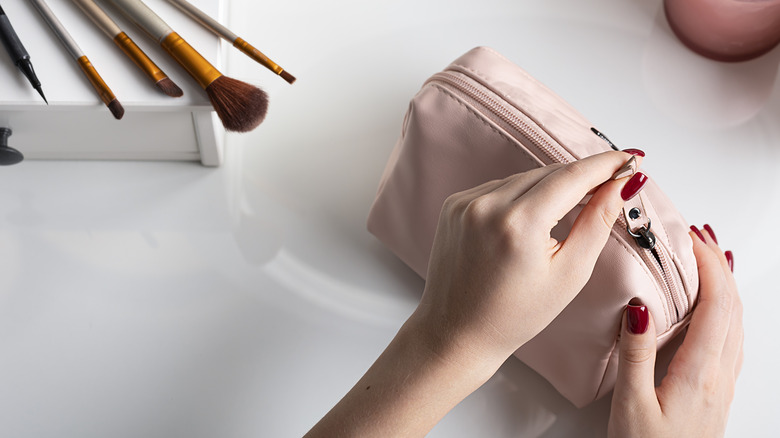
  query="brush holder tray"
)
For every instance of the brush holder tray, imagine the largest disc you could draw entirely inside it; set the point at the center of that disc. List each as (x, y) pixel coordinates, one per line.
(76, 124)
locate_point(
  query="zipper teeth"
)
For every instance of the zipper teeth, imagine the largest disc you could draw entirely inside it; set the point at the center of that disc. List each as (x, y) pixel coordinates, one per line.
(661, 273)
(681, 305)
(671, 301)
(501, 111)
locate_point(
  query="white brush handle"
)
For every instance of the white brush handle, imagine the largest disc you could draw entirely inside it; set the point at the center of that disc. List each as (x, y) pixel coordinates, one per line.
(145, 18)
(58, 28)
(204, 19)
(99, 17)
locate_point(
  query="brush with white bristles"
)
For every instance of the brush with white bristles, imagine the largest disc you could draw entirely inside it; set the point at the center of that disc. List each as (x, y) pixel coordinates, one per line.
(120, 38)
(240, 106)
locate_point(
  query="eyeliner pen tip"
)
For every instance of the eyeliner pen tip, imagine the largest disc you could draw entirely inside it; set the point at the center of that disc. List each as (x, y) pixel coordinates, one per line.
(40, 91)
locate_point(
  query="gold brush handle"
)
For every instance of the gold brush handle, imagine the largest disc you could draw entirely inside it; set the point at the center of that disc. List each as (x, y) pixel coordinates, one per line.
(189, 58)
(213, 25)
(257, 55)
(139, 57)
(94, 78)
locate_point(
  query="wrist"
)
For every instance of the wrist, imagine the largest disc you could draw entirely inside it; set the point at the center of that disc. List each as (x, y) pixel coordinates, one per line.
(464, 354)
(419, 377)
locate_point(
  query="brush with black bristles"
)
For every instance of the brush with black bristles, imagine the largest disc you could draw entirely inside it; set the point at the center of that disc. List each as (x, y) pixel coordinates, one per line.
(215, 26)
(120, 38)
(105, 93)
(240, 106)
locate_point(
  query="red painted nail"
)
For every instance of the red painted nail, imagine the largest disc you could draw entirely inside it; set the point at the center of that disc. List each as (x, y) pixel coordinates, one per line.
(730, 258)
(637, 319)
(633, 186)
(698, 233)
(638, 152)
(712, 233)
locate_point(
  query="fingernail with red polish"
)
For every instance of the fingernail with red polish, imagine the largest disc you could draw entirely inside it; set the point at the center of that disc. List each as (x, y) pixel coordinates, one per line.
(637, 319)
(638, 152)
(633, 186)
(730, 258)
(698, 233)
(712, 233)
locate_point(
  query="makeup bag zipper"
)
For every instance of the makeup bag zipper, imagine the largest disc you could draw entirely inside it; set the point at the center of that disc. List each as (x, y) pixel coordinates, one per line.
(497, 106)
(655, 254)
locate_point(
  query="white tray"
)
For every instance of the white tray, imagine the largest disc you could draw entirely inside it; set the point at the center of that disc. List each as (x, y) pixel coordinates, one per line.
(76, 124)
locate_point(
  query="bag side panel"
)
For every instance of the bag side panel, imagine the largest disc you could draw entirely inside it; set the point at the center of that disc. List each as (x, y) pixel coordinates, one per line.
(447, 147)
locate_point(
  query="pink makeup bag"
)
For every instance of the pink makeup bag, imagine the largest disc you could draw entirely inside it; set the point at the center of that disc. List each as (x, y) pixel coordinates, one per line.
(484, 118)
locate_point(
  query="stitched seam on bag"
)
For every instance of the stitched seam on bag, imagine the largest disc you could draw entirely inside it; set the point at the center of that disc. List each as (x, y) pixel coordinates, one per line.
(487, 122)
(491, 50)
(666, 231)
(685, 279)
(476, 72)
(569, 111)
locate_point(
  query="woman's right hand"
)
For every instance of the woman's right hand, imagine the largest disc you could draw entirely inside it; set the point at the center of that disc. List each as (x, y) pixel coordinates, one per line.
(693, 399)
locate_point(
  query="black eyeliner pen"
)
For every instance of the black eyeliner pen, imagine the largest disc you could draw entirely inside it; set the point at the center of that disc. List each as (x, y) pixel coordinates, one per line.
(18, 54)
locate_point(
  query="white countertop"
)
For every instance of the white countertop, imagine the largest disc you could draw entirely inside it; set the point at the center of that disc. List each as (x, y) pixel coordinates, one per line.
(174, 300)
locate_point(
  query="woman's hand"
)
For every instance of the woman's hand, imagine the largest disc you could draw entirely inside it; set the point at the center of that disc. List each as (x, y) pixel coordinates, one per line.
(693, 399)
(496, 277)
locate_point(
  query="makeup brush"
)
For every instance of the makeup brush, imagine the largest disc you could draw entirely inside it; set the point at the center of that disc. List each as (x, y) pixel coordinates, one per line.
(213, 25)
(105, 93)
(113, 31)
(240, 106)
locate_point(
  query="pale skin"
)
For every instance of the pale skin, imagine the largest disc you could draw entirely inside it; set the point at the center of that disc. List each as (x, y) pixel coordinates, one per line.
(496, 278)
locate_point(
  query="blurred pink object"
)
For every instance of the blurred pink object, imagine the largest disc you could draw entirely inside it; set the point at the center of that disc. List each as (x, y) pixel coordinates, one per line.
(726, 30)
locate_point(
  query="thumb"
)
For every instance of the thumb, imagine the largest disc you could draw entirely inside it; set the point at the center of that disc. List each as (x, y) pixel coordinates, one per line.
(635, 385)
(591, 230)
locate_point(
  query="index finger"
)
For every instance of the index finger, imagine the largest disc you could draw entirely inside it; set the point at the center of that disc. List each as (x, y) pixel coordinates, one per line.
(554, 196)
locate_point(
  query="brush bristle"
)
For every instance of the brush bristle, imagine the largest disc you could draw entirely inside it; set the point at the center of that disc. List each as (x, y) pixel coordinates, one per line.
(167, 86)
(287, 76)
(240, 106)
(116, 109)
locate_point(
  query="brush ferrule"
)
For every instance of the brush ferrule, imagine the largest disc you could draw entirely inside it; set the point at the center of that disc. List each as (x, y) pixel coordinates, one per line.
(139, 57)
(189, 58)
(94, 78)
(257, 55)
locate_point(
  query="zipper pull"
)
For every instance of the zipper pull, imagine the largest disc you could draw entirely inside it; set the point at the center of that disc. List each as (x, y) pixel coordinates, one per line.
(643, 236)
(637, 222)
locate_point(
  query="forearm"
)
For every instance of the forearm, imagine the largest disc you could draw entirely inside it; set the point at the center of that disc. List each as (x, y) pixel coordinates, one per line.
(409, 388)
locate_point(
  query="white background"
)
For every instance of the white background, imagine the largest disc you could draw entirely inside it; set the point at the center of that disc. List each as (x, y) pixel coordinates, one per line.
(173, 300)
